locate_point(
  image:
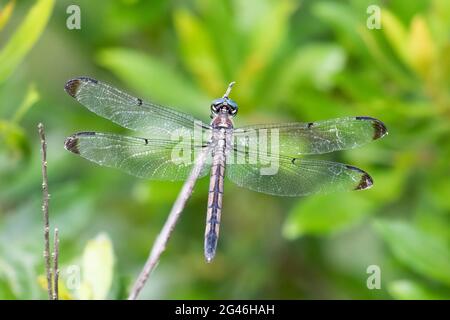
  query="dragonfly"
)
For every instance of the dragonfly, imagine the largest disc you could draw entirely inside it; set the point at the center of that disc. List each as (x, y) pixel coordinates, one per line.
(273, 159)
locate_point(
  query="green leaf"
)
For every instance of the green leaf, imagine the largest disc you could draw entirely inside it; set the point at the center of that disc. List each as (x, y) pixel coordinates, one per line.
(25, 37)
(385, 63)
(97, 268)
(220, 17)
(9, 274)
(440, 189)
(153, 78)
(17, 272)
(14, 146)
(396, 34)
(418, 250)
(315, 64)
(268, 34)
(343, 20)
(30, 99)
(198, 52)
(411, 290)
(325, 214)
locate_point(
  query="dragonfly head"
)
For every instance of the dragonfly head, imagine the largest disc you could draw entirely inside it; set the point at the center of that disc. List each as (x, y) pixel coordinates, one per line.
(224, 105)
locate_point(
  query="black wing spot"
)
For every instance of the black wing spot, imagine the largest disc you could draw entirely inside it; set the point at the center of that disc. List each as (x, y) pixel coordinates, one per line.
(146, 141)
(310, 125)
(380, 129)
(139, 101)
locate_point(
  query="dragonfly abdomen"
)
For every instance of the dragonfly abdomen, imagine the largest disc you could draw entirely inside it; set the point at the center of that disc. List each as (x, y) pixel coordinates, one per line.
(215, 200)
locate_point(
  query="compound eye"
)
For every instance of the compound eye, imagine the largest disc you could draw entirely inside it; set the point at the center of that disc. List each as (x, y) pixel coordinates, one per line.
(215, 105)
(233, 107)
(215, 108)
(217, 102)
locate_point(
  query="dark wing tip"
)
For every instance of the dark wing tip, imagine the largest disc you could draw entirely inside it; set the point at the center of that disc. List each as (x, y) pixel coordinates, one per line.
(72, 85)
(366, 180)
(380, 129)
(365, 183)
(72, 143)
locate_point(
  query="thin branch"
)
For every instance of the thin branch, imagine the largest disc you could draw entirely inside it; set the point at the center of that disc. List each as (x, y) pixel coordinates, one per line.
(55, 264)
(164, 235)
(45, 199)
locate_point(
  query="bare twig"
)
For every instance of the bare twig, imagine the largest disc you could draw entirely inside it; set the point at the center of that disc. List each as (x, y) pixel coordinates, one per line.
(45, 198)
(55, 264)
(164, 235)
(52, 286)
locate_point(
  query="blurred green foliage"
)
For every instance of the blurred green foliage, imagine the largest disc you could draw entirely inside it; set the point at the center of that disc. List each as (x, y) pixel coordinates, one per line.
(292, 61)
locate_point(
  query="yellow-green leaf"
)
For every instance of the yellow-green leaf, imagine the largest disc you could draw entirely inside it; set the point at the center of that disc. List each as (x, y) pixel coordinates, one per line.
(30, 99)
(14, 140)
(25, 37)
(5, 13)
(97, 268)
(199, 53)
(396, 34)
(421, 47)
(63, 292)
(265, 41)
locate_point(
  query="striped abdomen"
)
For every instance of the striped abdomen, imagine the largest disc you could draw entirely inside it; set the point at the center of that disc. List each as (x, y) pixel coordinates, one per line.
(215, 200)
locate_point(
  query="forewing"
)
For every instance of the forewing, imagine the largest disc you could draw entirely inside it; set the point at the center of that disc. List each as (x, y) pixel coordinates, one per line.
(293, 139)
(131, 112)
(145, 158)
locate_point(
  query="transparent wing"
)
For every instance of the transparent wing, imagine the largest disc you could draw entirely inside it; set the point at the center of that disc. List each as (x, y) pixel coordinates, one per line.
(293, 177)
(292, 139)
(145, 158)
(128, 111)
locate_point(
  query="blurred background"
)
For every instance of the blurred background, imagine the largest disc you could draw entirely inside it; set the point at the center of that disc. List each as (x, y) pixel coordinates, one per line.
(292, 61)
